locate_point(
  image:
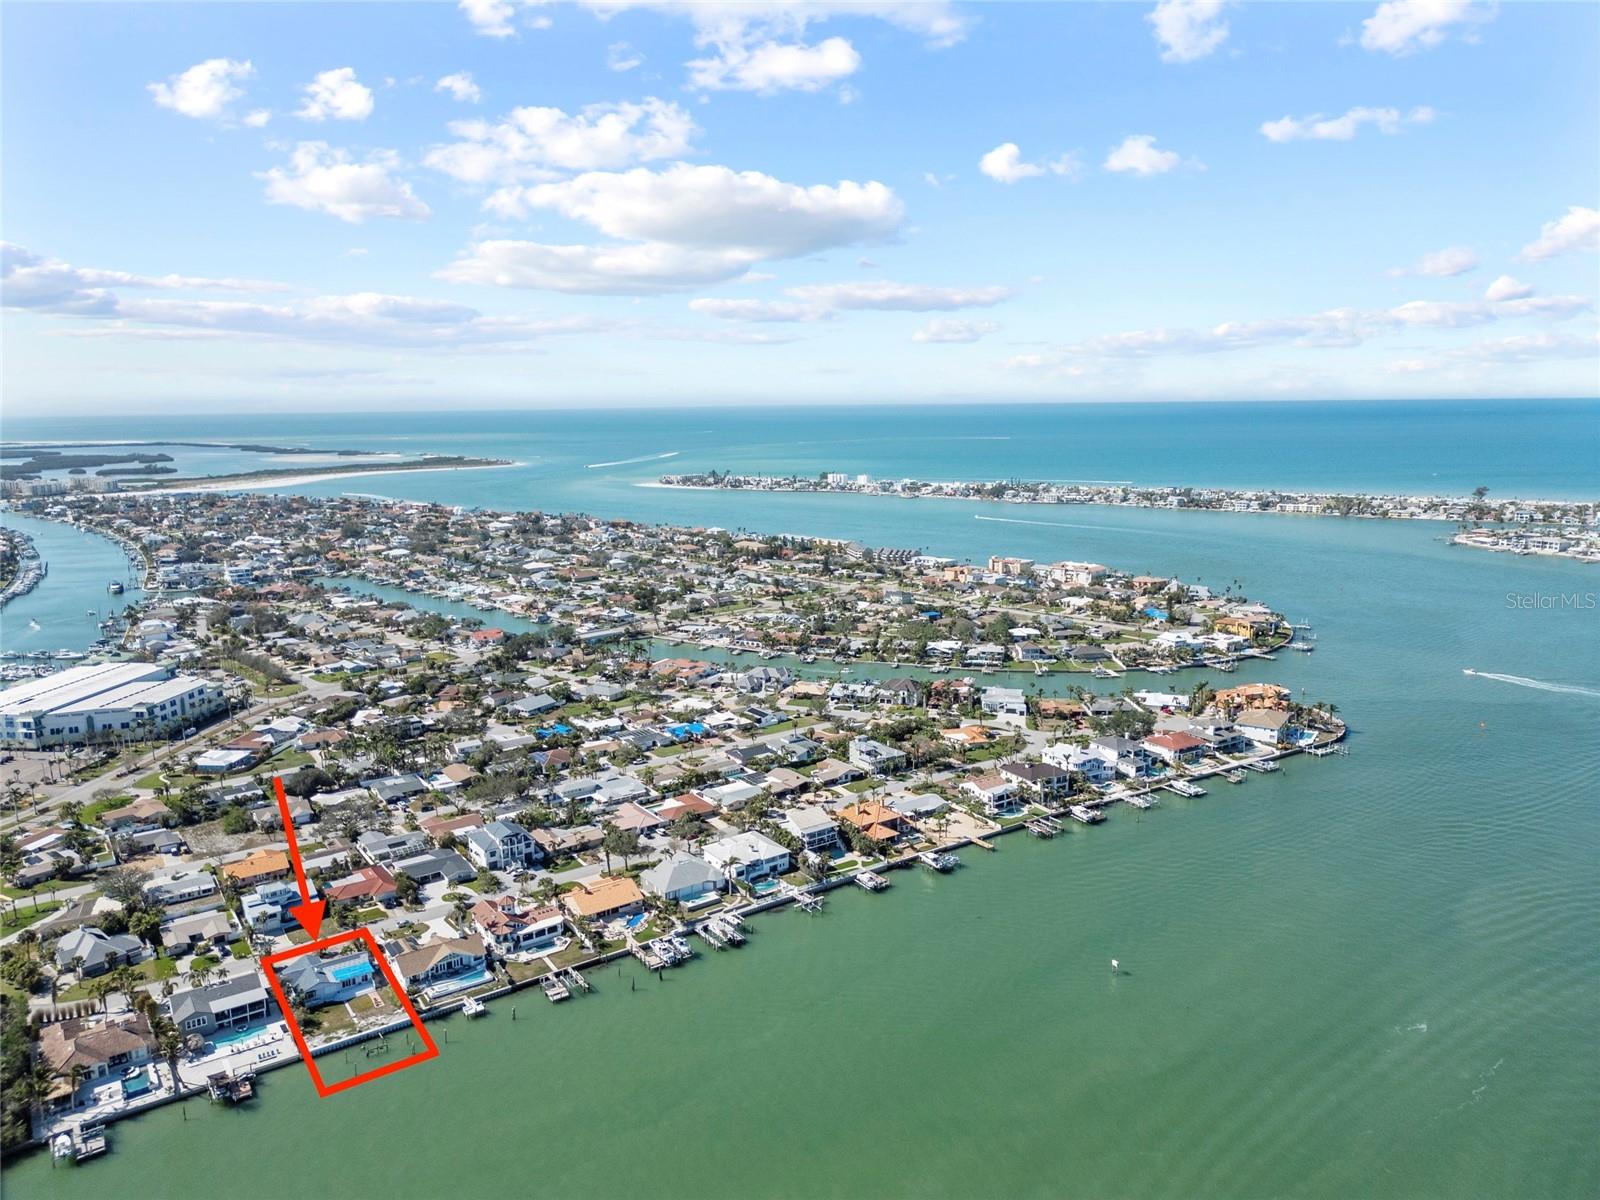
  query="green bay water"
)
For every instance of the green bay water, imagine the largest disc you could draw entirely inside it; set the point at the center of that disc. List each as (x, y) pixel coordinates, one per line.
(1366, 975)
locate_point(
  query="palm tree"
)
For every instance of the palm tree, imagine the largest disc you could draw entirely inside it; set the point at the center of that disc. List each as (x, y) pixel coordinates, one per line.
(37, 1084)
(75, 1077)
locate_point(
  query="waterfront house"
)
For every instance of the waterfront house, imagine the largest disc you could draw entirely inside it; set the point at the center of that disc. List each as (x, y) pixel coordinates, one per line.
(999, 793)
(748, 856)
(98, 950)
(1264, 726)
(235, 1003)
(512, 926)
(1126, 756)
(877, 822)
(102, 1047)
(1253, 696)
(440, 963)
(321, 981)
(816, 830)
(683, 877)
(501, 845)
(1095, 768)
(1045, 782)
(605, 898)
(1175, 747)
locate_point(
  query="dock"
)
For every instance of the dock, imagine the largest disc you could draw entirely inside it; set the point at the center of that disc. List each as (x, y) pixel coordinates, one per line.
(227, 1088)
(870, 880)
(84, 1142)
(1143, 801)
(554, 989)
(1044, 827)
(981, 844)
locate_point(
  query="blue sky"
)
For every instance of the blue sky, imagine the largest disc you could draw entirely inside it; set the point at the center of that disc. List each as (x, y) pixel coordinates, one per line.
(309, 206)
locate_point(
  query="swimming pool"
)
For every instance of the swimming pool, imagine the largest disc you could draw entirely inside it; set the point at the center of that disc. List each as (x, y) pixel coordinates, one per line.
(352, 972)
(459, 984)
(223, 1039)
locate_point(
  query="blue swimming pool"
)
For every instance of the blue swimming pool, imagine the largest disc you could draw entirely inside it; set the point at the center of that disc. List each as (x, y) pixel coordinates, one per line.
(352, 972)
(225, 1038)
(138, 1085)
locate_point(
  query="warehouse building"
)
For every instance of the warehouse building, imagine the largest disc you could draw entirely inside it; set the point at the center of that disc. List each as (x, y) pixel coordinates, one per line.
(103, 702)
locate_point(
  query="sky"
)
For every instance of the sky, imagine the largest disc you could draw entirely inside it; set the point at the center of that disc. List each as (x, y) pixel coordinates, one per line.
(510, 203)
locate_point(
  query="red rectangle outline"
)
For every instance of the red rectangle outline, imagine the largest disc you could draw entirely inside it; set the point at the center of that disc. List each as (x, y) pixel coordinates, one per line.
(339, 939)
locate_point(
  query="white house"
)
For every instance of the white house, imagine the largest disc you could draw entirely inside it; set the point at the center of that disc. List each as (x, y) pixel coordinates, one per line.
(747, 856)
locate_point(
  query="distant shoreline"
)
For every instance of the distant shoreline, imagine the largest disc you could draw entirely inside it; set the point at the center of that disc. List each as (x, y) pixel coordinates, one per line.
(293, 478)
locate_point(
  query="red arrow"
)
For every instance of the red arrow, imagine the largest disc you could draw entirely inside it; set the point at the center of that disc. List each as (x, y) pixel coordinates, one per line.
(308, 912)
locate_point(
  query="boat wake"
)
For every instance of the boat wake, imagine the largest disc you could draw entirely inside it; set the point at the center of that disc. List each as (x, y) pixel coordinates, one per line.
(624, 462)
(1538, 684)
(1072, 525)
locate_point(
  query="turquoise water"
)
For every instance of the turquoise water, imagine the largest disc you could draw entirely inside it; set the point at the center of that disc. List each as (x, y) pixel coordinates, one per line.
(584, 459)
(1363, 976)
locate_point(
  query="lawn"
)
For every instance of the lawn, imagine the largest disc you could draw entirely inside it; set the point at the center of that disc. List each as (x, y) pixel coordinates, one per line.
(23, 917)
(38, 889)
(239, 948)
(861, 785)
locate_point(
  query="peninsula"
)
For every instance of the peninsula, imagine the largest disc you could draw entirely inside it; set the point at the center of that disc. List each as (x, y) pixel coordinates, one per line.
(506, 802)
(1569, 528)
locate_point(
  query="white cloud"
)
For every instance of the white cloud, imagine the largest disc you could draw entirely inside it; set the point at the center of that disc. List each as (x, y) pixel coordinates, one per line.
(1004, 164)
(819, 302)
(1402, 27)
(256, 118)
(1442, 264)
(1337, 328)
(1138, 153)
(336, 94)
(950, 330)
(1576, 229)
(758, 310)
(901, 297)
(715, 207)
(1188, 29)
(33, 281)
(1507, 288)
(490, 18)
(1342, 129)
(322, 179)
(637, 268)
(205, 90)
(769, 67)
(461, 87)
(529, 142)
(622, 57)
(757, 47)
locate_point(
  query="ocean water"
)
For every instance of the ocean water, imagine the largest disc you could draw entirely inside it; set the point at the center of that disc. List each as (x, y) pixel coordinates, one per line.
(1369, 975)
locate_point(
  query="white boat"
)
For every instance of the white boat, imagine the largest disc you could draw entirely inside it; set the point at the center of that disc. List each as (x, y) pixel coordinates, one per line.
(473, 1007)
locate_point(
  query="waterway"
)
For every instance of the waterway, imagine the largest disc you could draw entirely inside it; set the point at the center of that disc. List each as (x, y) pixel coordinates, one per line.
(63, 612)
(1364, 975)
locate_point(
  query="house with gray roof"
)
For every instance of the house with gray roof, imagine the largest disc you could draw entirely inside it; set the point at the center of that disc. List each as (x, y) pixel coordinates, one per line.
(99, 950)
(684, 877)
(232, 1004)
(501, 845)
